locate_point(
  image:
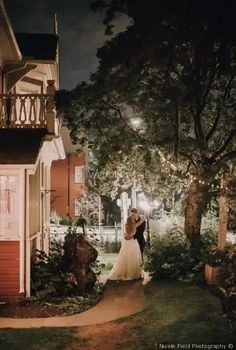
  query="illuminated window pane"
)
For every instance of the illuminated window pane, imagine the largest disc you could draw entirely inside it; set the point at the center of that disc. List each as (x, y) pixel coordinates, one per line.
(78, 174)
(9, 207)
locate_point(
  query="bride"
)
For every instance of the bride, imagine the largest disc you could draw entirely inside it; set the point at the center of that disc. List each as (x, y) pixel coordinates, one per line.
(129, 262)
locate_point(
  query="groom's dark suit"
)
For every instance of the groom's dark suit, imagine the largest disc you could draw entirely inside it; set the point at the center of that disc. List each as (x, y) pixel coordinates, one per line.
(139, 235)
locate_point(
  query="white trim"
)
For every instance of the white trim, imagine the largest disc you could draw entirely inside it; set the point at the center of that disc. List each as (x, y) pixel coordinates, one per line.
(60, 147)
(21, 221)
(15, 167)
(27, 242)
(22, 230)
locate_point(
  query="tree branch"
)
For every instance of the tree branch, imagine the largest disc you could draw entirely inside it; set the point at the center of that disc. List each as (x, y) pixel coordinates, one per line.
(117, 109)
(223, 148)
(208, 88)
(215, 124)
(189, 158)
(227, 156)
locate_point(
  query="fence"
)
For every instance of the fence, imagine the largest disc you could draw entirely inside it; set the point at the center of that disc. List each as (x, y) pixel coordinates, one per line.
(103, 234)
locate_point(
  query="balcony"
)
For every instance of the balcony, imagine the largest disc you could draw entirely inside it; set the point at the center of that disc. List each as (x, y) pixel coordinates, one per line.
(23, 111)
(29, 111)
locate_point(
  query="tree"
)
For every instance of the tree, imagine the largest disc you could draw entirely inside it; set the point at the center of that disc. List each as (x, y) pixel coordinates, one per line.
(174, 67)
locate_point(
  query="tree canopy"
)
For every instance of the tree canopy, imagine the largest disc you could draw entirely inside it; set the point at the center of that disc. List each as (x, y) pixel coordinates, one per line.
(174, 70)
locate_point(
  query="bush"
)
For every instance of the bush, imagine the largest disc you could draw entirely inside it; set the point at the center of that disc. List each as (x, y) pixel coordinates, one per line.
(111, 246)
(48, 277)
(49, 274)
(225, 259)
(171, 256)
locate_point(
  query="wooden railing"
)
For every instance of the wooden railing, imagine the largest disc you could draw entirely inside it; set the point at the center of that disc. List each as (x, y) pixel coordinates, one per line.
(23, 110)
(30, 110)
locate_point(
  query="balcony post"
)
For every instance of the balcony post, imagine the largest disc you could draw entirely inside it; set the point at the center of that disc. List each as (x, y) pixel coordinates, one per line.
(52, 125)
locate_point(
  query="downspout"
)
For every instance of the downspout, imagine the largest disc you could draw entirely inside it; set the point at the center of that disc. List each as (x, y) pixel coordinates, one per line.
(23, 240)
(27, 240)
(68, 188)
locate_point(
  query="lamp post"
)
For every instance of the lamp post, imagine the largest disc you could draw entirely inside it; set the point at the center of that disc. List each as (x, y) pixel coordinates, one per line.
(124, 203)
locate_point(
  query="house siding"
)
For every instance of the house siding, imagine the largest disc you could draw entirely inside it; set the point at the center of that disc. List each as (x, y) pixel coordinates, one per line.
(9, 269)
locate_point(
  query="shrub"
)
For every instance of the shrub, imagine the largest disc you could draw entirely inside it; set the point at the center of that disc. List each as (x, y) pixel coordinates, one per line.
(225, 259)
(171, 256)
(111, 246)
(49, 274)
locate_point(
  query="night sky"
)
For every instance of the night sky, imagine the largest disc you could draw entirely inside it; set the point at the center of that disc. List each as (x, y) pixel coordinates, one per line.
(80, 30)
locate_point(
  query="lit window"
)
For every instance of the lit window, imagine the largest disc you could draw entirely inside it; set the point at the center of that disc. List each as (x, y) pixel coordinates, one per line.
(77, 208)
(79, 174)
(9, 207)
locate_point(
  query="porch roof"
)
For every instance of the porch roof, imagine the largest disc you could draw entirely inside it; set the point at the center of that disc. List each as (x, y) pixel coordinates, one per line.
(20, 146)
(38, 46)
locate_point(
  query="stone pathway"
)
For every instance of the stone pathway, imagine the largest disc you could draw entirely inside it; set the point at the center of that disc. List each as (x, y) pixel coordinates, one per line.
(120, 299)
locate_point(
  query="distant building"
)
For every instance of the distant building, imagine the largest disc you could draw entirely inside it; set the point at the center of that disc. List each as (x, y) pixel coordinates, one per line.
(68, 178)
(29, 142)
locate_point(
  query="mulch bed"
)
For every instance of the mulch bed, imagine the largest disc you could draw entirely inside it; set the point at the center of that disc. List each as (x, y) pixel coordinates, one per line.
(30, 310)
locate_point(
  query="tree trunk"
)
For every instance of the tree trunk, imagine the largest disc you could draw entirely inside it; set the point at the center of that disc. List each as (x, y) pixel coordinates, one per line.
(223, 213)
(196, 203)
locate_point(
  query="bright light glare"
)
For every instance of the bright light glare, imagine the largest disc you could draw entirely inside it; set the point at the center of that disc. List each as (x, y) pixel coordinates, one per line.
(136, 122)
(144, 204)
(156, 203)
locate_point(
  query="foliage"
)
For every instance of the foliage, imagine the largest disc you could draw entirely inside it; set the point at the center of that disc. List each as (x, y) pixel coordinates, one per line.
(225, 259)
(178, 80)
(111, 246)
(88, 207)
(183, 61)
(47, 274)
(170, 255)
(50, 276)
(75, 304)
(54, 218)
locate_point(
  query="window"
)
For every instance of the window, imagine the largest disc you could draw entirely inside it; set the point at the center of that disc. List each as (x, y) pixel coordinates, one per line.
(9, 206)
(79, 174)
(77, 207)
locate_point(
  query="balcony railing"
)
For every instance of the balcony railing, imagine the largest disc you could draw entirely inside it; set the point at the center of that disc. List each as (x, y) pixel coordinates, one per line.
(30, 110)
(23, 110)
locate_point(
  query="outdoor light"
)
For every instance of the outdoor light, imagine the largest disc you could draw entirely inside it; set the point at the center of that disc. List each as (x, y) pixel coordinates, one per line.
(156, 203)
(144, 204)
(136, 122)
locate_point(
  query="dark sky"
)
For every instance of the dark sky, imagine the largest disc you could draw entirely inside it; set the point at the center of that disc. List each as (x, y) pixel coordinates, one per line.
(81, 32)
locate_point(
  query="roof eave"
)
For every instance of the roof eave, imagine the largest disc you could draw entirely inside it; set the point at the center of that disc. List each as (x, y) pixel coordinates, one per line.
(9, 31)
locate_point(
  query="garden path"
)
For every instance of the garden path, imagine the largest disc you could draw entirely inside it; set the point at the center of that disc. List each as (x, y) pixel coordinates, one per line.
(120, 299)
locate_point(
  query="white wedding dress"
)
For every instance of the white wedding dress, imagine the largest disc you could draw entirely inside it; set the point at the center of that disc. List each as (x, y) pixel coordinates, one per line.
(129, 262)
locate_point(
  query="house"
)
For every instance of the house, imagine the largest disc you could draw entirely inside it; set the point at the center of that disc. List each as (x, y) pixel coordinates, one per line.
(29, 142)
(68, 179)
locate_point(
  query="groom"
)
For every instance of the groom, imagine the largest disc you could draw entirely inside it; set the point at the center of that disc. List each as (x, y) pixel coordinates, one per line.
(140, 229)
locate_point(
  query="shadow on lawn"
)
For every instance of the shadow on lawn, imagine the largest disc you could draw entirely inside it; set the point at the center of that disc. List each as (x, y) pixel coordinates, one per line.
(182, 313)
(37, 338)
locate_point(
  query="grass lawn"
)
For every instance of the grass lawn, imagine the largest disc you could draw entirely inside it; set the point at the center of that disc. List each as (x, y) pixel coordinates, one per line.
(37, 338)
(177, 312)
(174, 312)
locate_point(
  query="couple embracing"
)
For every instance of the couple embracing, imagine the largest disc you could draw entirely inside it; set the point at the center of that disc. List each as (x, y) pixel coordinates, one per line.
(129, 262)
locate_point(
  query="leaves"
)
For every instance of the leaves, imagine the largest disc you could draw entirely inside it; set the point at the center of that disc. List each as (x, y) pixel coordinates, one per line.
(174, 56)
